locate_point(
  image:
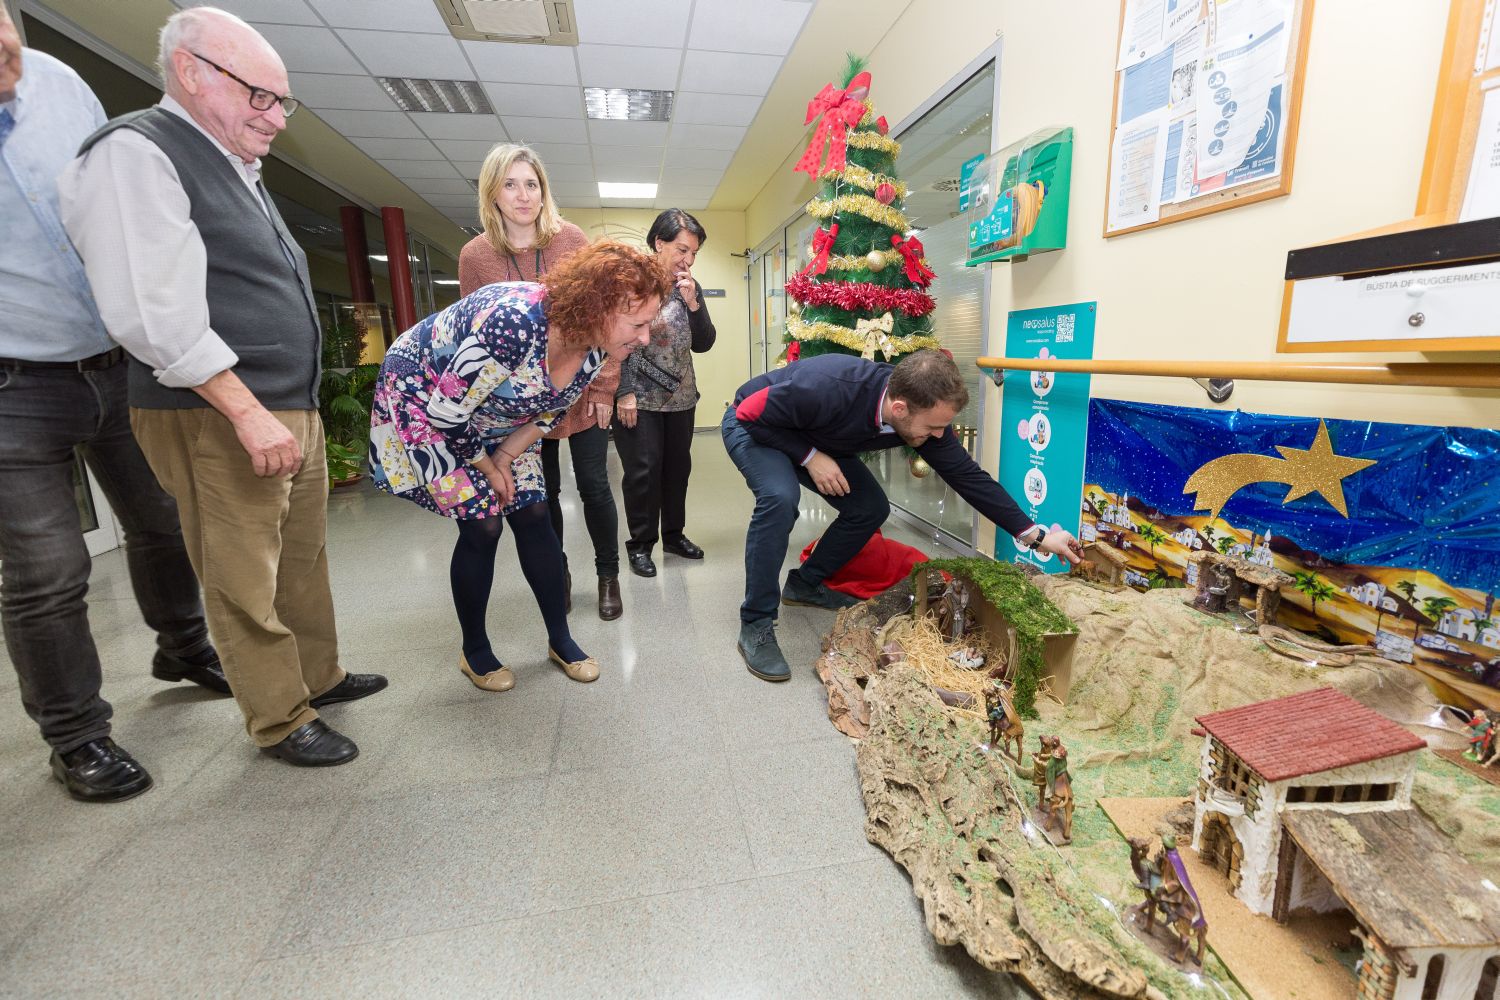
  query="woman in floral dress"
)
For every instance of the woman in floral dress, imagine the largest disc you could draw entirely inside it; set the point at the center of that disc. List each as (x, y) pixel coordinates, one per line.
(463, 400)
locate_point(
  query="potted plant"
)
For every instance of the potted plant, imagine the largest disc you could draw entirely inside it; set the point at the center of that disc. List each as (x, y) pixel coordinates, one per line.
(345, 395)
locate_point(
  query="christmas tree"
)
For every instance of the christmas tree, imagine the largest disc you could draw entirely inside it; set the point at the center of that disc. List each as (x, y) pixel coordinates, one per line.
(863, 289)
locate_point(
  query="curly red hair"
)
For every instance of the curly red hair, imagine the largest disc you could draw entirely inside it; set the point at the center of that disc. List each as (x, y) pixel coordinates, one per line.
(595, 283)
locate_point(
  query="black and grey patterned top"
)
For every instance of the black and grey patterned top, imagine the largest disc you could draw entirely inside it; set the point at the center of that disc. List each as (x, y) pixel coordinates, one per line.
(661, 373)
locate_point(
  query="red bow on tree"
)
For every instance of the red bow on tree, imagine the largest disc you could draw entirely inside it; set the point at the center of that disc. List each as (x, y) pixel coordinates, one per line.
(911, 252)
(822, 243)
(841, 111)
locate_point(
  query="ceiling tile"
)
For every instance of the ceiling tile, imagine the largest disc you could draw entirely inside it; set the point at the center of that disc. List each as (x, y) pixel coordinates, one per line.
(399, 149)
(673, 174)
(634, 156)
(580, 200)
(509, 62)
(438, 125)
(267, 11)
(307, 49)
(328, 91)
(625, 202)
(383, 124)
(617, 133)
(715, 109)
(686, 192)
(707, 136)
(639, 22)
(536, 100)
(463, 202)
(388, 15)
(727, 73)
(629, 66)
(766, 26)
(574, 189)
(466, 149)
(394, 53)
(468, 168)
(563, 152)
(524, 129)
(686, 204)
(621, 173)
(440, 185)
(419, 169)
(705, 159)
(569, 173)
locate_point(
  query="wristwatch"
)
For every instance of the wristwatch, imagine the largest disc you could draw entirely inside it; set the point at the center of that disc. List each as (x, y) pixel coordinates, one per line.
(1036, 542)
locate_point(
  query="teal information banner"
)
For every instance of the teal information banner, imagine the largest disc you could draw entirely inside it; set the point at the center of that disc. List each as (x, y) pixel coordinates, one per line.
(966, 179)
(1044, 420)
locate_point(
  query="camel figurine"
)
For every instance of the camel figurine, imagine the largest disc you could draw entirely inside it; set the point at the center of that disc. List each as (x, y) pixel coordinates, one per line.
(1148, 879)
(1005, 722)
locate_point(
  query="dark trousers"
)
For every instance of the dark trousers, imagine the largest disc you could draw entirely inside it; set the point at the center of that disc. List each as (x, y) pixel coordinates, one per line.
(44, 564)
(589, 450)
(776, 482)
(657, 456)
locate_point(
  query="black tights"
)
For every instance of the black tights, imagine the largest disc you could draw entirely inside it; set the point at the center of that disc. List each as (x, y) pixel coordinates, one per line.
(472, 572)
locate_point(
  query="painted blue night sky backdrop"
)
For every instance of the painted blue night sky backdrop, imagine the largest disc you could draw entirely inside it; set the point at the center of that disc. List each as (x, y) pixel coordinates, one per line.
(1431, 502)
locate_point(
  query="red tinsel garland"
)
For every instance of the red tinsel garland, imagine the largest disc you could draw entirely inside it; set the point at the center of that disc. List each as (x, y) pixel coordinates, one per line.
(860, 295)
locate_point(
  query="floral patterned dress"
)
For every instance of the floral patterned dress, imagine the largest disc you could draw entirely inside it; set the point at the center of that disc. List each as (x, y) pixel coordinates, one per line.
(462, 380)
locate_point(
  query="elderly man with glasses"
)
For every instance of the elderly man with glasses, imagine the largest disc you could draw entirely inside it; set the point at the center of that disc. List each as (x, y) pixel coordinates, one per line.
(198, 278)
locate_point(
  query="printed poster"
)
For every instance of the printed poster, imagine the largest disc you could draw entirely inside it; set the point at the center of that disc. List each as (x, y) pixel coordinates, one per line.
(1044, 424)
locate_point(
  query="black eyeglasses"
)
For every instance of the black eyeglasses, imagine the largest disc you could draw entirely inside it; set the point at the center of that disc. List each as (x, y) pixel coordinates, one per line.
(261, 99)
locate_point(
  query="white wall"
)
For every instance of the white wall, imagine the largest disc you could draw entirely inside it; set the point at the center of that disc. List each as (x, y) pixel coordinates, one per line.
(1366, 104)
(1460, 974)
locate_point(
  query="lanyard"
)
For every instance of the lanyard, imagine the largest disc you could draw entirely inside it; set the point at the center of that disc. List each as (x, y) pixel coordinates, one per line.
(521, 275)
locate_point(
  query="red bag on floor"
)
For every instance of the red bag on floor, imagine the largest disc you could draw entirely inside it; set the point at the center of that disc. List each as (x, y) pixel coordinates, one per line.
(879, 566)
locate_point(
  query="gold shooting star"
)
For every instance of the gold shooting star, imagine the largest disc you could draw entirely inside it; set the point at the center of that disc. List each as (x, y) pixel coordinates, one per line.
(1311, 470)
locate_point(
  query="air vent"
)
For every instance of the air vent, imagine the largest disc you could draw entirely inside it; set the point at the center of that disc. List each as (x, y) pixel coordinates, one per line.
(614, 104)
(532, 22)
(948, 185)
(458, 97)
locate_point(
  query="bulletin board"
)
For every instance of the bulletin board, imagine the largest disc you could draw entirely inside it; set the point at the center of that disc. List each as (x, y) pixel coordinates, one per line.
(1219, 77)
(1461, 172)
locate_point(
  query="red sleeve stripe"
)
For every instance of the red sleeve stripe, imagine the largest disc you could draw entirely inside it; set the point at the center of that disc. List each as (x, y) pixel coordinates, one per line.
(752, 406)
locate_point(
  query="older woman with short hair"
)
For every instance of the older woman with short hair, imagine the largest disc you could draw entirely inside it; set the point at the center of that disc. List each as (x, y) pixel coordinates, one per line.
(463, 400)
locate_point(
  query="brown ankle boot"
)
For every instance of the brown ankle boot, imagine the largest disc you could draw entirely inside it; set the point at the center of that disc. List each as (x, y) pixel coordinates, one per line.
(610, 606)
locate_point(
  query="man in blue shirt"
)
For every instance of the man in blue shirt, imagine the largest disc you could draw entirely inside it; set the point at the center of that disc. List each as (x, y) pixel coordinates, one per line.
(62, 387)
(806, 425)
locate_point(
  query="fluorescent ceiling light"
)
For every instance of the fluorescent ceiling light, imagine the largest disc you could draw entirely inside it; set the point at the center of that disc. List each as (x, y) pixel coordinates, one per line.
(445, 281)
(384, 259)
(617, 104)
(462, 97)
(608, 189)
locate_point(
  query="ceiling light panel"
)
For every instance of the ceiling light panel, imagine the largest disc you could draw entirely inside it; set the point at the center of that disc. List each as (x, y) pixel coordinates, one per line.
(460, 97)
(621, 104)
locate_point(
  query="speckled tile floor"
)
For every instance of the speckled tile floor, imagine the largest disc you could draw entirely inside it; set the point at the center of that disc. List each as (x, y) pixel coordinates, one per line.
(677, 829)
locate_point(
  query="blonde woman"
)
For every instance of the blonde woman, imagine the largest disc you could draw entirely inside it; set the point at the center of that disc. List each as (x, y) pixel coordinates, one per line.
(524, 238)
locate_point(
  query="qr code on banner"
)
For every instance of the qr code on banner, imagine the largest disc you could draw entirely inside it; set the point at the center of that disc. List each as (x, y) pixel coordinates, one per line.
(1065, 328)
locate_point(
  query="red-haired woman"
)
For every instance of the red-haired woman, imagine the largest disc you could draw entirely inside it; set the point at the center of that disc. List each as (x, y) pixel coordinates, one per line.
(463, 400)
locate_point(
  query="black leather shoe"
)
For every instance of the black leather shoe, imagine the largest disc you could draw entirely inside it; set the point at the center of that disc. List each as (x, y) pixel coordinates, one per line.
(641, 564)
(683, 547)
(99, 771)
(610, 604)
(352, 688)
(203, 670)
(314, 745)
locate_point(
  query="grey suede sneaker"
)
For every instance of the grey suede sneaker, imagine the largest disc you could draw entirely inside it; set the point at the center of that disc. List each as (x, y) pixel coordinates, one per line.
(762, 655)
(798, 592)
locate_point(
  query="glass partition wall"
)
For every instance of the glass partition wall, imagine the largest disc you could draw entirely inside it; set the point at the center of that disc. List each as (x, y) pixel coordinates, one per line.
(954, 126)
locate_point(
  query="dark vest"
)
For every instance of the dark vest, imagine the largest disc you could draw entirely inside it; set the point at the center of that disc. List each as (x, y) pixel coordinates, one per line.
(260, 303)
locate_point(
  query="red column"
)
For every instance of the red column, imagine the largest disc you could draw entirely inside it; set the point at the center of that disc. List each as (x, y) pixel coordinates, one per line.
(357, 253)
(400, 267)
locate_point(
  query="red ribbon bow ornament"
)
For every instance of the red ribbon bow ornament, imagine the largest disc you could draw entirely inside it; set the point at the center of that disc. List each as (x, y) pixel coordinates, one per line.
(793, 351)
(911, 252)
(822, 243)
(841, 111)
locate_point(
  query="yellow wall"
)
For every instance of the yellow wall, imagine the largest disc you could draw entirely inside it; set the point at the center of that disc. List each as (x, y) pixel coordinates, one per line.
(721, 370)
(1206, 288)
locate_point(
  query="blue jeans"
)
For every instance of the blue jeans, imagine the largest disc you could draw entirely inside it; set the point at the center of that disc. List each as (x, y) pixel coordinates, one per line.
(44, 564)
(776, 482)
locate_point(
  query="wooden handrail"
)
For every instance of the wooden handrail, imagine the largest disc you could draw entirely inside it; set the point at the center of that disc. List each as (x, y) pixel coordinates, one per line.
(1448, 375)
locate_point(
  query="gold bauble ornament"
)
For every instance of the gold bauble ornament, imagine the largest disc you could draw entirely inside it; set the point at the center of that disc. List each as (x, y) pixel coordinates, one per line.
(793, 307)
(919, 467)
(875, 260)
(811, 251)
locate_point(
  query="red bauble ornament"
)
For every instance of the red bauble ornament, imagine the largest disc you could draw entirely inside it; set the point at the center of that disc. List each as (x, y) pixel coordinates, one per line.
(885, 193)
(881, 125)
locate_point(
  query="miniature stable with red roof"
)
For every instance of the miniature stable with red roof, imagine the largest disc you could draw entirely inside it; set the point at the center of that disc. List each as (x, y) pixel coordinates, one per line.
(1307, 733)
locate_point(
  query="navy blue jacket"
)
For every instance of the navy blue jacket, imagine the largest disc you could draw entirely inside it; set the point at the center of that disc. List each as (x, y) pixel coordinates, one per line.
(832, 403)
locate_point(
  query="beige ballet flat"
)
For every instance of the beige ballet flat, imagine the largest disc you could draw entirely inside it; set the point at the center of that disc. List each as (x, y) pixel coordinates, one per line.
(498, 680)
(583, 671)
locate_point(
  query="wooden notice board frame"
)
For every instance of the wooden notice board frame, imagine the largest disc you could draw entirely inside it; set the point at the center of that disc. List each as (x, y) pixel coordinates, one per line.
(1455, 114)
(1243, 194)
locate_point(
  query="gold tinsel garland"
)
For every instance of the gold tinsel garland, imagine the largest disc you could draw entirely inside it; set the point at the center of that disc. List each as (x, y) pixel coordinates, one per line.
(875, 141)
(859, 177)
(860, 204)
(861, 262)
(846, 337)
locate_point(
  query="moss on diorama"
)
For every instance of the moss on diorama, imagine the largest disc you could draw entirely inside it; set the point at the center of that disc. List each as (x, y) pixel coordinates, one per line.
(1025, 607)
